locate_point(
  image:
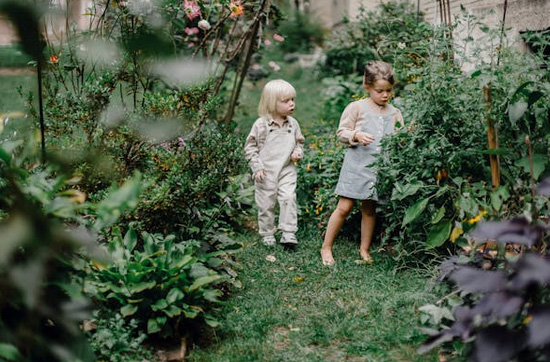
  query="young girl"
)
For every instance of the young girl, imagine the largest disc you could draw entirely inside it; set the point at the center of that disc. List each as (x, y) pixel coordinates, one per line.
(272, 149)
(362, 126)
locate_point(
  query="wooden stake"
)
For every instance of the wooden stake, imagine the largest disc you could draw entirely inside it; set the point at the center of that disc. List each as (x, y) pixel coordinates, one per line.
(492, 137)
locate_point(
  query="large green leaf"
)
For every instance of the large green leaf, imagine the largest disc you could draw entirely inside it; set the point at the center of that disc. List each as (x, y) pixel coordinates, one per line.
(174, 295)
(439, 234)
(152, 326)
(140, 287)
(212, 295)
(130, 240)
(199, 282)
(128, 310)
(159, 305)
(211, 321)
(539, 165)
(9, 352)
(5, 156)
(402, 191)
(192, 312)
(172, 311)
(438, 215)
(498, 196)
(415, 211)
(517, 110)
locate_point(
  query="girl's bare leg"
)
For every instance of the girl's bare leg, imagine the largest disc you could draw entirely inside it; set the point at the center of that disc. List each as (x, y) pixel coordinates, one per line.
(368, 221)
(335, 223)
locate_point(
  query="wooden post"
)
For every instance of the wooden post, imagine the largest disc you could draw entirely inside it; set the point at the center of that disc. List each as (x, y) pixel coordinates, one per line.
(492, 138)
(245, 60)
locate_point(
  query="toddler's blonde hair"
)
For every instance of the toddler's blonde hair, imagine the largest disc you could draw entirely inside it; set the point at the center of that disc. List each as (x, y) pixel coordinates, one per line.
(274, 91)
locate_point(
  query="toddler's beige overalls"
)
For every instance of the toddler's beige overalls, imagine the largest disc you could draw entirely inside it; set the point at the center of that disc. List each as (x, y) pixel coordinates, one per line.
(279, 184)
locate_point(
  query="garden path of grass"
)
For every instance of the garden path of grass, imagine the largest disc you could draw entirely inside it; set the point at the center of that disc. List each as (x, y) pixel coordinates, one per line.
(296, 309)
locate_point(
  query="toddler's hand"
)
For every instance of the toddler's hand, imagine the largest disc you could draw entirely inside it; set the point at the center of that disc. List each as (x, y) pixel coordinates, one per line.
(364, 138)
(259, 176)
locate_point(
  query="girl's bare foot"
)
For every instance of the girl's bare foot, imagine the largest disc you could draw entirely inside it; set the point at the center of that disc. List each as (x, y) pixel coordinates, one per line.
(365, 255)
(326, 256)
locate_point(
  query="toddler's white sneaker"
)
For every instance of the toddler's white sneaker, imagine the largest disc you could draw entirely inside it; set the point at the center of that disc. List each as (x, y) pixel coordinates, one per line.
(268, 240)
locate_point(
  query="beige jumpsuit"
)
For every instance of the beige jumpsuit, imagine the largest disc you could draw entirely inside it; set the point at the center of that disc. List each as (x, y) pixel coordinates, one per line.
(269, 147)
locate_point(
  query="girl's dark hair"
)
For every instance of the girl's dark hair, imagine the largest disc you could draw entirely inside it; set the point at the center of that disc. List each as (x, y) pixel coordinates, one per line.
(377, 69)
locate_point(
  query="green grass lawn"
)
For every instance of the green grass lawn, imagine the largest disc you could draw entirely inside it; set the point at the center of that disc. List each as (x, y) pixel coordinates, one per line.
(12, 56)
(296, 309)
(15, 77)
(10, 99)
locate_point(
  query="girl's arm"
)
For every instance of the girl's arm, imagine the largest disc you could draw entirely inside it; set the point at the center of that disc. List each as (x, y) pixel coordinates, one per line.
(348, 124)
(398, 120)
(252, 149)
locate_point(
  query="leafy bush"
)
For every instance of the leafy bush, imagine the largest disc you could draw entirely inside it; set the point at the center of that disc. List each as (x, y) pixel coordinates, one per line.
(500, 305)
(436, 168)
(113, 339)
(387, 32)
(318, 173)
(193, 179)
(156, 280)
(301, 33)
(40, 306)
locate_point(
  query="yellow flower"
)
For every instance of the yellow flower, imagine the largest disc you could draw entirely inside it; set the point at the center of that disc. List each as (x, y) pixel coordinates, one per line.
(456, 233)
(476, 218)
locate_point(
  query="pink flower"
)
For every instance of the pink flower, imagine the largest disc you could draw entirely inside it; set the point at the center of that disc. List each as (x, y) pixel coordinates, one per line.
(190, 45)
(191, 31)
(277, 37)
(274, 65)
(267, 42)
(191, 9)
(256, 66)
(204, 25)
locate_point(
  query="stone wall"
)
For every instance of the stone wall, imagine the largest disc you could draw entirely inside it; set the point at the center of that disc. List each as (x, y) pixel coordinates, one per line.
(63, 13)
(521, 14)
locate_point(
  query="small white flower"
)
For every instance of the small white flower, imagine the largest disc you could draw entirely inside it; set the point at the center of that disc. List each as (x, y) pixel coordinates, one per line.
(401, 45)
(204, 25)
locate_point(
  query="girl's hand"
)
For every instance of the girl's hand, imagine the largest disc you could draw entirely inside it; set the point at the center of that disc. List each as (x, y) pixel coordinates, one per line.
(295, 157)
(364, 138)
(259, 176)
